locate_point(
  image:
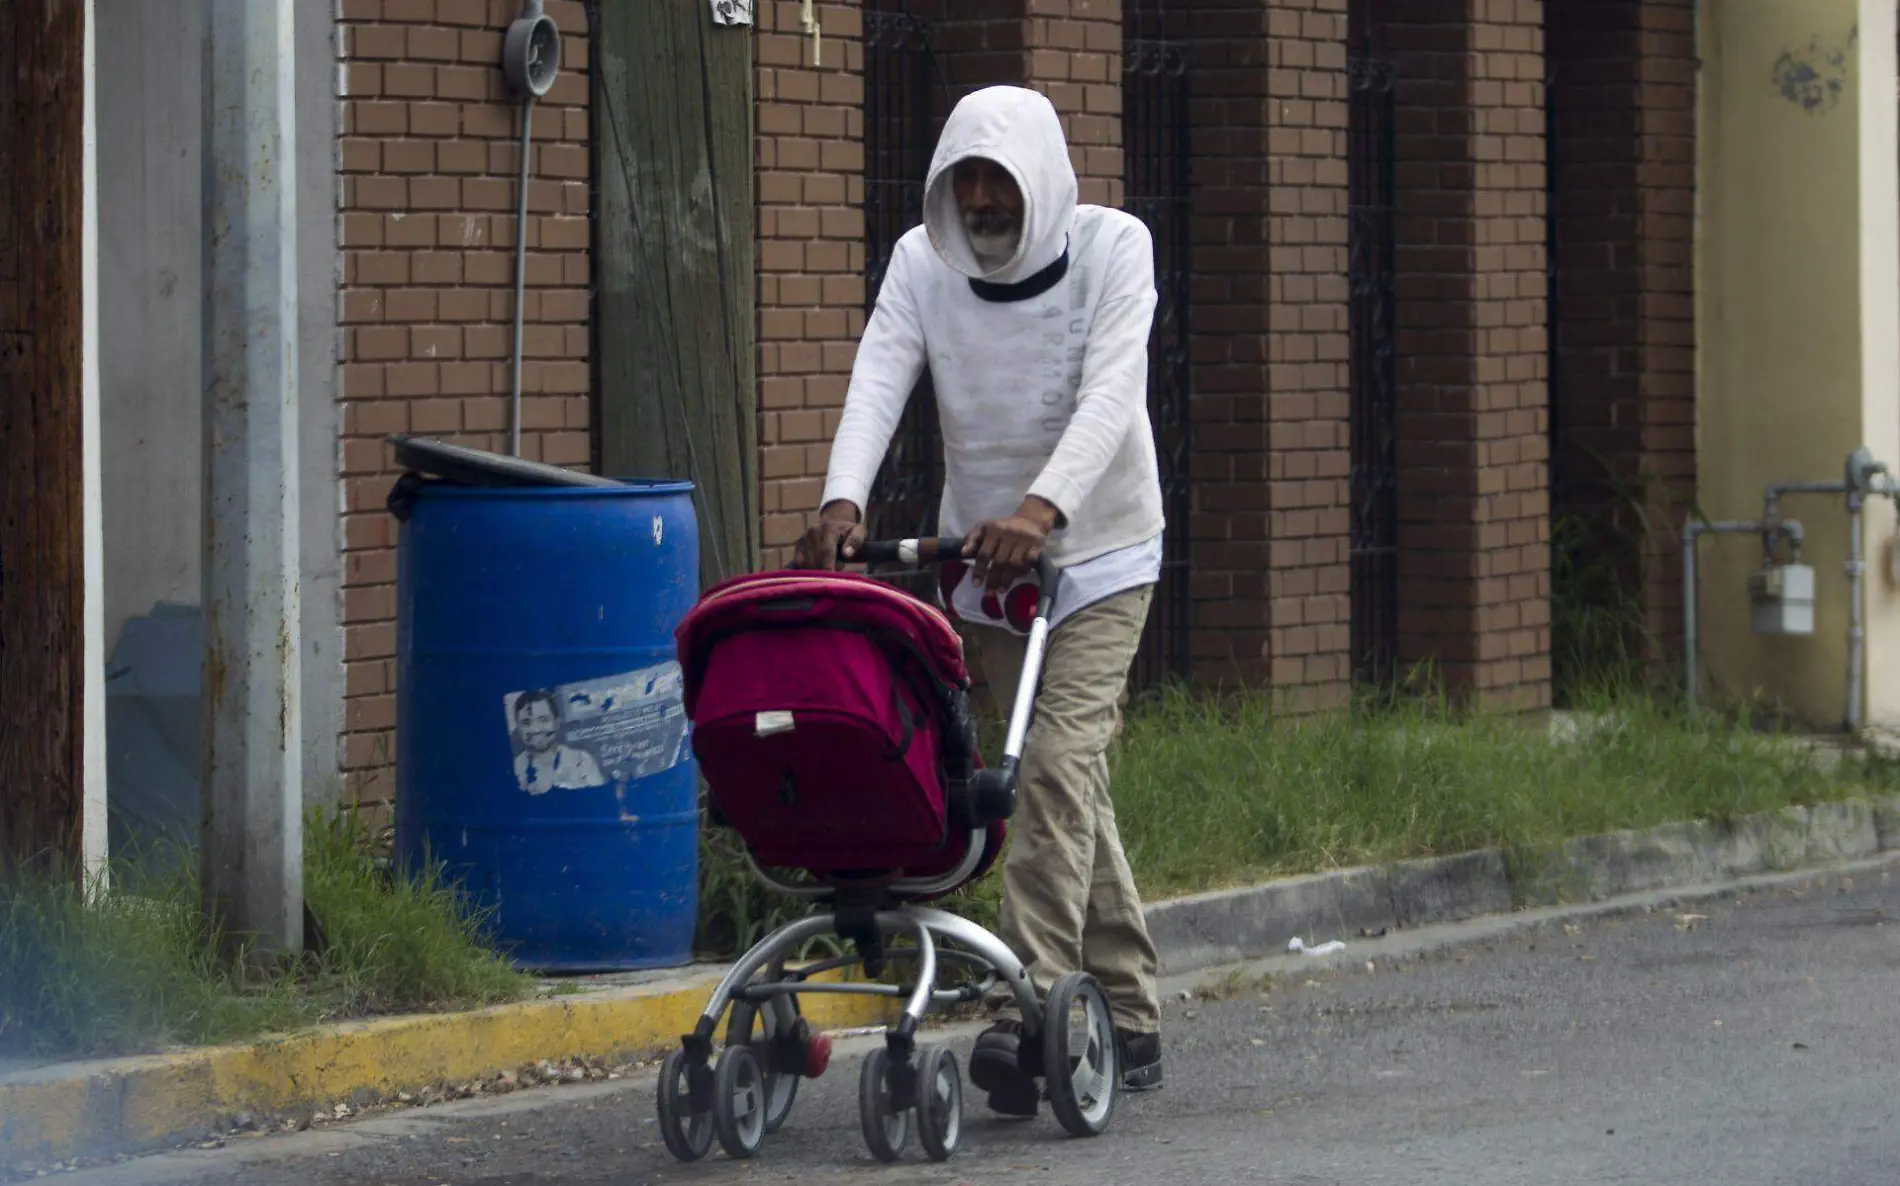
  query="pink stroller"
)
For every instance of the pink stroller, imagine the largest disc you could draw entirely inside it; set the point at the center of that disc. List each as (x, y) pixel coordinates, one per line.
(831, 719)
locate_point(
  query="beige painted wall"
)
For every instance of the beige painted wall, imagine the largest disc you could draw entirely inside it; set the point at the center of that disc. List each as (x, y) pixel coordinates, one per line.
(1797, 304)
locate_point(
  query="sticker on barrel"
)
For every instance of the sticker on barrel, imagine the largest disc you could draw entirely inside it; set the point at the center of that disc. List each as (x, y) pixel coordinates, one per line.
(592, 733)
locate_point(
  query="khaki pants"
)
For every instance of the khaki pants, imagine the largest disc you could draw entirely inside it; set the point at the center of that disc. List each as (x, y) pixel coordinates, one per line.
(1069, 900)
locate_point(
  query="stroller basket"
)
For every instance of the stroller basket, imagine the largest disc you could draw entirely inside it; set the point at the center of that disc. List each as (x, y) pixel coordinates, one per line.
(831, 718)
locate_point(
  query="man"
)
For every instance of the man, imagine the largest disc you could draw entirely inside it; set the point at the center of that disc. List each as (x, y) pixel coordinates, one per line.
(1032, 313)
(545, 764)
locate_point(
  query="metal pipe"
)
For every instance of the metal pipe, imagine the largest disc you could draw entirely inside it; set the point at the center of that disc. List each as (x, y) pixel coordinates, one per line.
(1771, 506)
(521, 258)
(1856, 606)
(1693, 531)
(1856, 569)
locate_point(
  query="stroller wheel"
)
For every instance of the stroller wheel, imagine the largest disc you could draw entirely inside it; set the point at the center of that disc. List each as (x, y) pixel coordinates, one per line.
(739, 1102)
(1079, 1055)
(688, 1136)
(886, 1130)
(761, 1027)
(939, 1103)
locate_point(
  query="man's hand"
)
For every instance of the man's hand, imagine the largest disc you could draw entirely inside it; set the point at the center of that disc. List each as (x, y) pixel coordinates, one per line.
(1002, 550)
(837, 523)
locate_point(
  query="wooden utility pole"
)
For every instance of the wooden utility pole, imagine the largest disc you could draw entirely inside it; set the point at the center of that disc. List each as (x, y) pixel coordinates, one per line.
(42, 519)
(673, 119)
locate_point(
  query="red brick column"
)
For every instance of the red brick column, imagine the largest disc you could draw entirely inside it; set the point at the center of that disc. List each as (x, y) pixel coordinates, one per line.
(1473, 503)
(1070, 50)
(429, 152)
(1623, 94)
(1272, 450)
(1075, 57)
(811, 252)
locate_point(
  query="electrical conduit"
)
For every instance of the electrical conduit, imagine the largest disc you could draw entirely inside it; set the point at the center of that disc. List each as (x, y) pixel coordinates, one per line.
(530, 59)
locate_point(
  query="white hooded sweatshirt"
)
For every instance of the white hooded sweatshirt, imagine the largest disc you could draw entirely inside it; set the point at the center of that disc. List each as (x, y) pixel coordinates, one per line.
(1040, 366)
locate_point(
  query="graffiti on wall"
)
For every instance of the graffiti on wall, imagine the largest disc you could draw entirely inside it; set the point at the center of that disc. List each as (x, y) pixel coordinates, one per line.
(1813, 77)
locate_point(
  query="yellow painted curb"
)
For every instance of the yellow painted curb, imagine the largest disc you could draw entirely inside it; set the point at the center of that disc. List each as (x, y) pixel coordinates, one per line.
(131, 1105)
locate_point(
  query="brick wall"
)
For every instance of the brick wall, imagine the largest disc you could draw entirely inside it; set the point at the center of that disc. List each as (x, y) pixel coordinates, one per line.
(811, 252)
(428, 156)
(1074, 56)
(1473, 502)
(1623, 94)
(1271, 454)
(1666, 243)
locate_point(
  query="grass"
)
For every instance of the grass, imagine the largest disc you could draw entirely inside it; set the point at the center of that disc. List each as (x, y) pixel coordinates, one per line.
(140, 969)
(1211, 793)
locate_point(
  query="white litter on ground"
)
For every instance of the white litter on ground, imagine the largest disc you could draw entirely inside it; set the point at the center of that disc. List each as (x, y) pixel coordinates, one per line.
(1298, 946)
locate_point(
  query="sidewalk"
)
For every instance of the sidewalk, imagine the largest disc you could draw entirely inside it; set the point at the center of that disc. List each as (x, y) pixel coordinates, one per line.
(56, 1113)
(59, 1112)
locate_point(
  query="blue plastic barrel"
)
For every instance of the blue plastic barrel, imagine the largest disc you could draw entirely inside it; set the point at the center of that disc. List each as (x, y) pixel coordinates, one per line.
(541, 737)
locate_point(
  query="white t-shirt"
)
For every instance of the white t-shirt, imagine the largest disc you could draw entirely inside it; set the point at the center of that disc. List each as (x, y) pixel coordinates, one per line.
(1083, 585)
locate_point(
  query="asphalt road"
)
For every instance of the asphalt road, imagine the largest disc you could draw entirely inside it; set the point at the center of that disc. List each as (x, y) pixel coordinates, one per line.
(1756, 1046)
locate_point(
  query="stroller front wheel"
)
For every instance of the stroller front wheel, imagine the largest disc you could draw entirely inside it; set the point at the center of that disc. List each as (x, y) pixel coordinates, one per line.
(739, 1102)
(777, 1023)
(939, 1103)
(886, 1129)
(688, 1136)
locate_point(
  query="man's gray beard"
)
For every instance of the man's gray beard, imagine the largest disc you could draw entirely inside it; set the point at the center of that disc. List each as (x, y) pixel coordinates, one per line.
(992, 249)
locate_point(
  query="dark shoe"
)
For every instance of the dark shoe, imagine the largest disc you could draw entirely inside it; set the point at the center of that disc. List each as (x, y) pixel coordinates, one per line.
(996, 1069)
(1140, 1059)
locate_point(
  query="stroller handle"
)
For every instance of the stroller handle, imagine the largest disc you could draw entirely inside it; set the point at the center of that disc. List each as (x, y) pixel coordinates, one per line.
(904, 551)
(945, 547)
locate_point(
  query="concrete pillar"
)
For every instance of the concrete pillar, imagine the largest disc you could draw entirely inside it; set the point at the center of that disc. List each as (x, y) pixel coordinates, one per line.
(1797, 303)
(252, 854)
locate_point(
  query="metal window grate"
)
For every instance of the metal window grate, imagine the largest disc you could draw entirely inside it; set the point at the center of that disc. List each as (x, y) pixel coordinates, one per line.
(1158, 182)
(1374, 371)
(899, 134)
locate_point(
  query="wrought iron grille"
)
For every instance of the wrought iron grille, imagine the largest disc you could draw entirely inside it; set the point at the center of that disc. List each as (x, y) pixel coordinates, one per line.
(1553, 338)
(1157, 181)
(1374, 543)
(899, 120)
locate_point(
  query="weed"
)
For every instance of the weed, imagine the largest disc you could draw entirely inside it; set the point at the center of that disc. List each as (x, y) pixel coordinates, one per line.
(136, 967)
(393, 944)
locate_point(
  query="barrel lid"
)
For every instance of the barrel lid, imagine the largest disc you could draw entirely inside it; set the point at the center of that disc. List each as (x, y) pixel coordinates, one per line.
(476, 467)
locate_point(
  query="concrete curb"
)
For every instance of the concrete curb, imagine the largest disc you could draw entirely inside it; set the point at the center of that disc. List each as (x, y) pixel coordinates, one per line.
(1233, 926)
(106, 1108)
(135, 1105)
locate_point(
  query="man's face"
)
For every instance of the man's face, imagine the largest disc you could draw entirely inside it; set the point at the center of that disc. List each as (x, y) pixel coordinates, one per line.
(991, 205)
(538, 726)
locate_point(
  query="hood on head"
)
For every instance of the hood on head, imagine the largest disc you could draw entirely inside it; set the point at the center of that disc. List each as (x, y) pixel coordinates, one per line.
(1019, 130)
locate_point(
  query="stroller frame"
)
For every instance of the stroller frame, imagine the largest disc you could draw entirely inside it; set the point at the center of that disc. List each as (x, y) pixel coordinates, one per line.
(747, 1090)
